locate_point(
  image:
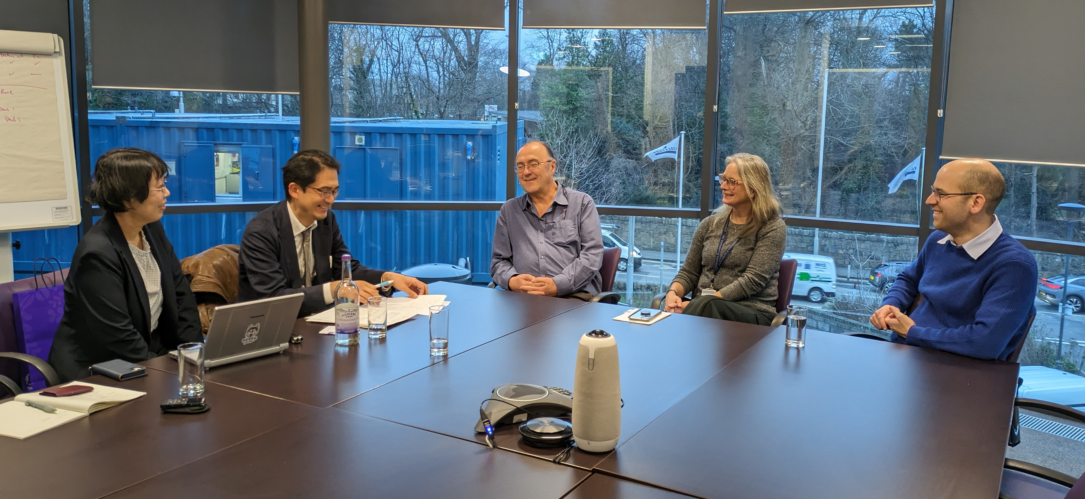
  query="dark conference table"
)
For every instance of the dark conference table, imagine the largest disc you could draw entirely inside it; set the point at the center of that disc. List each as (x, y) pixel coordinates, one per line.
(713, 409)
(318, 373)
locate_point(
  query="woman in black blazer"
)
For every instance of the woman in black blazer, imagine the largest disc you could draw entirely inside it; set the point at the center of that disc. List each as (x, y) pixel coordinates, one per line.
(125, 296)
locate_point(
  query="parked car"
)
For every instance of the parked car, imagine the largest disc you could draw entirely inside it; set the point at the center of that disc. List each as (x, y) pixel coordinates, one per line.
(815, 276)
(1058, 387)
(1049, 291)
(611, 240)
(883, 276)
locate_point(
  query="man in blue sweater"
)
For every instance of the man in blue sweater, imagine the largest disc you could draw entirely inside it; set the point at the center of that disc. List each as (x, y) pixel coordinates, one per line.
(977, 282)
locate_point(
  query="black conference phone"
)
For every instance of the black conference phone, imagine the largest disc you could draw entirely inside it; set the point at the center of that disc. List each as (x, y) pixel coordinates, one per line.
(518, 402)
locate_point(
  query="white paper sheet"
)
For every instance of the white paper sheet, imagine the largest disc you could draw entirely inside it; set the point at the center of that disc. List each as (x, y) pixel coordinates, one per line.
(400, 309)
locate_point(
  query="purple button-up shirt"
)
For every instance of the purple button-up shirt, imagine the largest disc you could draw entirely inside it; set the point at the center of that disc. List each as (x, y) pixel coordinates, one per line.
(565, 244)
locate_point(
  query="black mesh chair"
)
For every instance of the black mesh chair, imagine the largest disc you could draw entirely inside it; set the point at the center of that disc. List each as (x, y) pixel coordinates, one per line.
(1022, 480)
(11, 386)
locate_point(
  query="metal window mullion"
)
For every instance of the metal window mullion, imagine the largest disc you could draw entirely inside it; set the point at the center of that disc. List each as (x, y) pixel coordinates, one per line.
(513, 96)
(711, 109)
(314, 75)
(936, 102)
(77, 62)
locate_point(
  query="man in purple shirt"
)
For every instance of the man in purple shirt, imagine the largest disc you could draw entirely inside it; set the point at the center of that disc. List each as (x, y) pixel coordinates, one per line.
(548, 241)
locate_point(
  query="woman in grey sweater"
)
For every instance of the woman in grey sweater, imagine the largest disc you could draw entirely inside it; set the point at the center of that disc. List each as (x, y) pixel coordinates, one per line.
(734, 259)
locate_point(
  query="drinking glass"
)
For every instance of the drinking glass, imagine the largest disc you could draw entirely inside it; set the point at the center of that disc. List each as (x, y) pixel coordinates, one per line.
(190, 370)
(796, 326)
(438, 330)
(378, 316)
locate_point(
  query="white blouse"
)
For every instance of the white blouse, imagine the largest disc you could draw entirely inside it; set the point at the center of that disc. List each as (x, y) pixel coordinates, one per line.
(152, 278)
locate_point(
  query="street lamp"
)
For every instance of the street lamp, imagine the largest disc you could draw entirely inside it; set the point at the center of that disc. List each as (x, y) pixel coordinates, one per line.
(1071, 213)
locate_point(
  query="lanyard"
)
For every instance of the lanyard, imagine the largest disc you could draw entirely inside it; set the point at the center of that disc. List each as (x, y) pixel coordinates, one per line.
(721, 258)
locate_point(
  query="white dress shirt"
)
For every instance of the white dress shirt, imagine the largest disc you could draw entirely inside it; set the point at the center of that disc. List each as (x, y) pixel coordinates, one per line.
(299, 243)
(979, 244)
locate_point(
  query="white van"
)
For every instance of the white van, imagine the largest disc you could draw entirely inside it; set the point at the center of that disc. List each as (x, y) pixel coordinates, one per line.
(815, 276)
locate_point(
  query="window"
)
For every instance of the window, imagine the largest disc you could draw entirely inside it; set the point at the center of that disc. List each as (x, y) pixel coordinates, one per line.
(420, 113)
(222, 148)
(602, 98)
(388, 240)
(1034, 193)
(852, 272)
(1043, 357)
(835, 102)
(652, 246)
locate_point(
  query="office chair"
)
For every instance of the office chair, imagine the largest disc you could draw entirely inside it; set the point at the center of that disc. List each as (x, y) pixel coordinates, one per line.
(51, 377)
(785, 283)
(607, 271)
(1021, 480)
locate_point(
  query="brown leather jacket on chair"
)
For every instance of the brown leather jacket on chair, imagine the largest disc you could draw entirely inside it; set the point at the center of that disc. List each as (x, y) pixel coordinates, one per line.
(213, 275)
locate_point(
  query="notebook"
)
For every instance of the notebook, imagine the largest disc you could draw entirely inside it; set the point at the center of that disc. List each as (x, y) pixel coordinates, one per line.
(17, 420)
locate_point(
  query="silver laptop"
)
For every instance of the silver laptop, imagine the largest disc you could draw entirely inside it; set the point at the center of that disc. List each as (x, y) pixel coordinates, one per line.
(248, 330)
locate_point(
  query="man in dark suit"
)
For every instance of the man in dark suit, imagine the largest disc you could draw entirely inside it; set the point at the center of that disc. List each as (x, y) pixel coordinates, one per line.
(295, 246)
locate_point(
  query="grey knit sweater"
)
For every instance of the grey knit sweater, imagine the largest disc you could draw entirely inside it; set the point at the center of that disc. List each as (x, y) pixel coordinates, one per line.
(749, 275)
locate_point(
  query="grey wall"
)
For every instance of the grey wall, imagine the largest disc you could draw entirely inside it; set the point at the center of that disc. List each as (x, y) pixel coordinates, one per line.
(1016, 81)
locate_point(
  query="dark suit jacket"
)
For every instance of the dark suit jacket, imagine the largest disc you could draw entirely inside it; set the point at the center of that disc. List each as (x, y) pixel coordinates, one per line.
(269, 260)
(107, 314)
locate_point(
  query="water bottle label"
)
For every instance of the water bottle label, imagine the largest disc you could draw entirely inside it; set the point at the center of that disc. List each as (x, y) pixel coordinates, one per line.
(346, 317)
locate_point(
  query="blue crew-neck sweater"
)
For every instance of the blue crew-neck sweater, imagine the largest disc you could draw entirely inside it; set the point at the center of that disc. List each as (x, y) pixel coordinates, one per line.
(979, 308)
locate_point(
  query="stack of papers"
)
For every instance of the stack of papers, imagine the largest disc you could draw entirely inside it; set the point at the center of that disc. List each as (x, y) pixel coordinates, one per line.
(400, 309)
(19, 420)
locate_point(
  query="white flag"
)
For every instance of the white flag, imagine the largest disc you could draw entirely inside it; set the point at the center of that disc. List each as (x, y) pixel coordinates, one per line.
(910, 172)
(668, 150)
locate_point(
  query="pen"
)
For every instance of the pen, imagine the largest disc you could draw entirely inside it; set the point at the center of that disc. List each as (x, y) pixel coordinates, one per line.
(41, 407)
(385, 283)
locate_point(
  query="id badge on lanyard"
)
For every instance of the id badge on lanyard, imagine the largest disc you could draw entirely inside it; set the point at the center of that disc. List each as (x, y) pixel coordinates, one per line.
(721, 256)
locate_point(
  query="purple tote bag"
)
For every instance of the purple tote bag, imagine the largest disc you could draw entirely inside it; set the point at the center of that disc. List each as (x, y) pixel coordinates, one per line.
(37, 315)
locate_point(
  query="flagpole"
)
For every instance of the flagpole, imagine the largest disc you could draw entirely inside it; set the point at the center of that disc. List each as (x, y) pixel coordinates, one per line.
(821, 153)
(681, 174)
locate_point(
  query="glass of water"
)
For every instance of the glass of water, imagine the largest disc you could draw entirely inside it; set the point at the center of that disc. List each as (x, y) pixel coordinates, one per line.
(190, 369)
(438, 330)
(378, 316)
(796, 326)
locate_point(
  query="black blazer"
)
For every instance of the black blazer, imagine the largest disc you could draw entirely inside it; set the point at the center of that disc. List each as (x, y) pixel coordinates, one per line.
(107, 314)
(269, 260)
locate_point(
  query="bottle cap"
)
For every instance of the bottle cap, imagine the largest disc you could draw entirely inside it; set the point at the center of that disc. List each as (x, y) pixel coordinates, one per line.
(345, 257)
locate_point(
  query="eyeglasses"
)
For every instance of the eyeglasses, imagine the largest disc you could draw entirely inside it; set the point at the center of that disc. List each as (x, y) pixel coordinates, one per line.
(158, 189)
(727, 181)
(939, 195)
(328, 193)
(530, 165)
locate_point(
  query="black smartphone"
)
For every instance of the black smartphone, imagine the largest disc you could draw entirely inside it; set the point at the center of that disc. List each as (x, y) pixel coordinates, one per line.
(176, 403)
